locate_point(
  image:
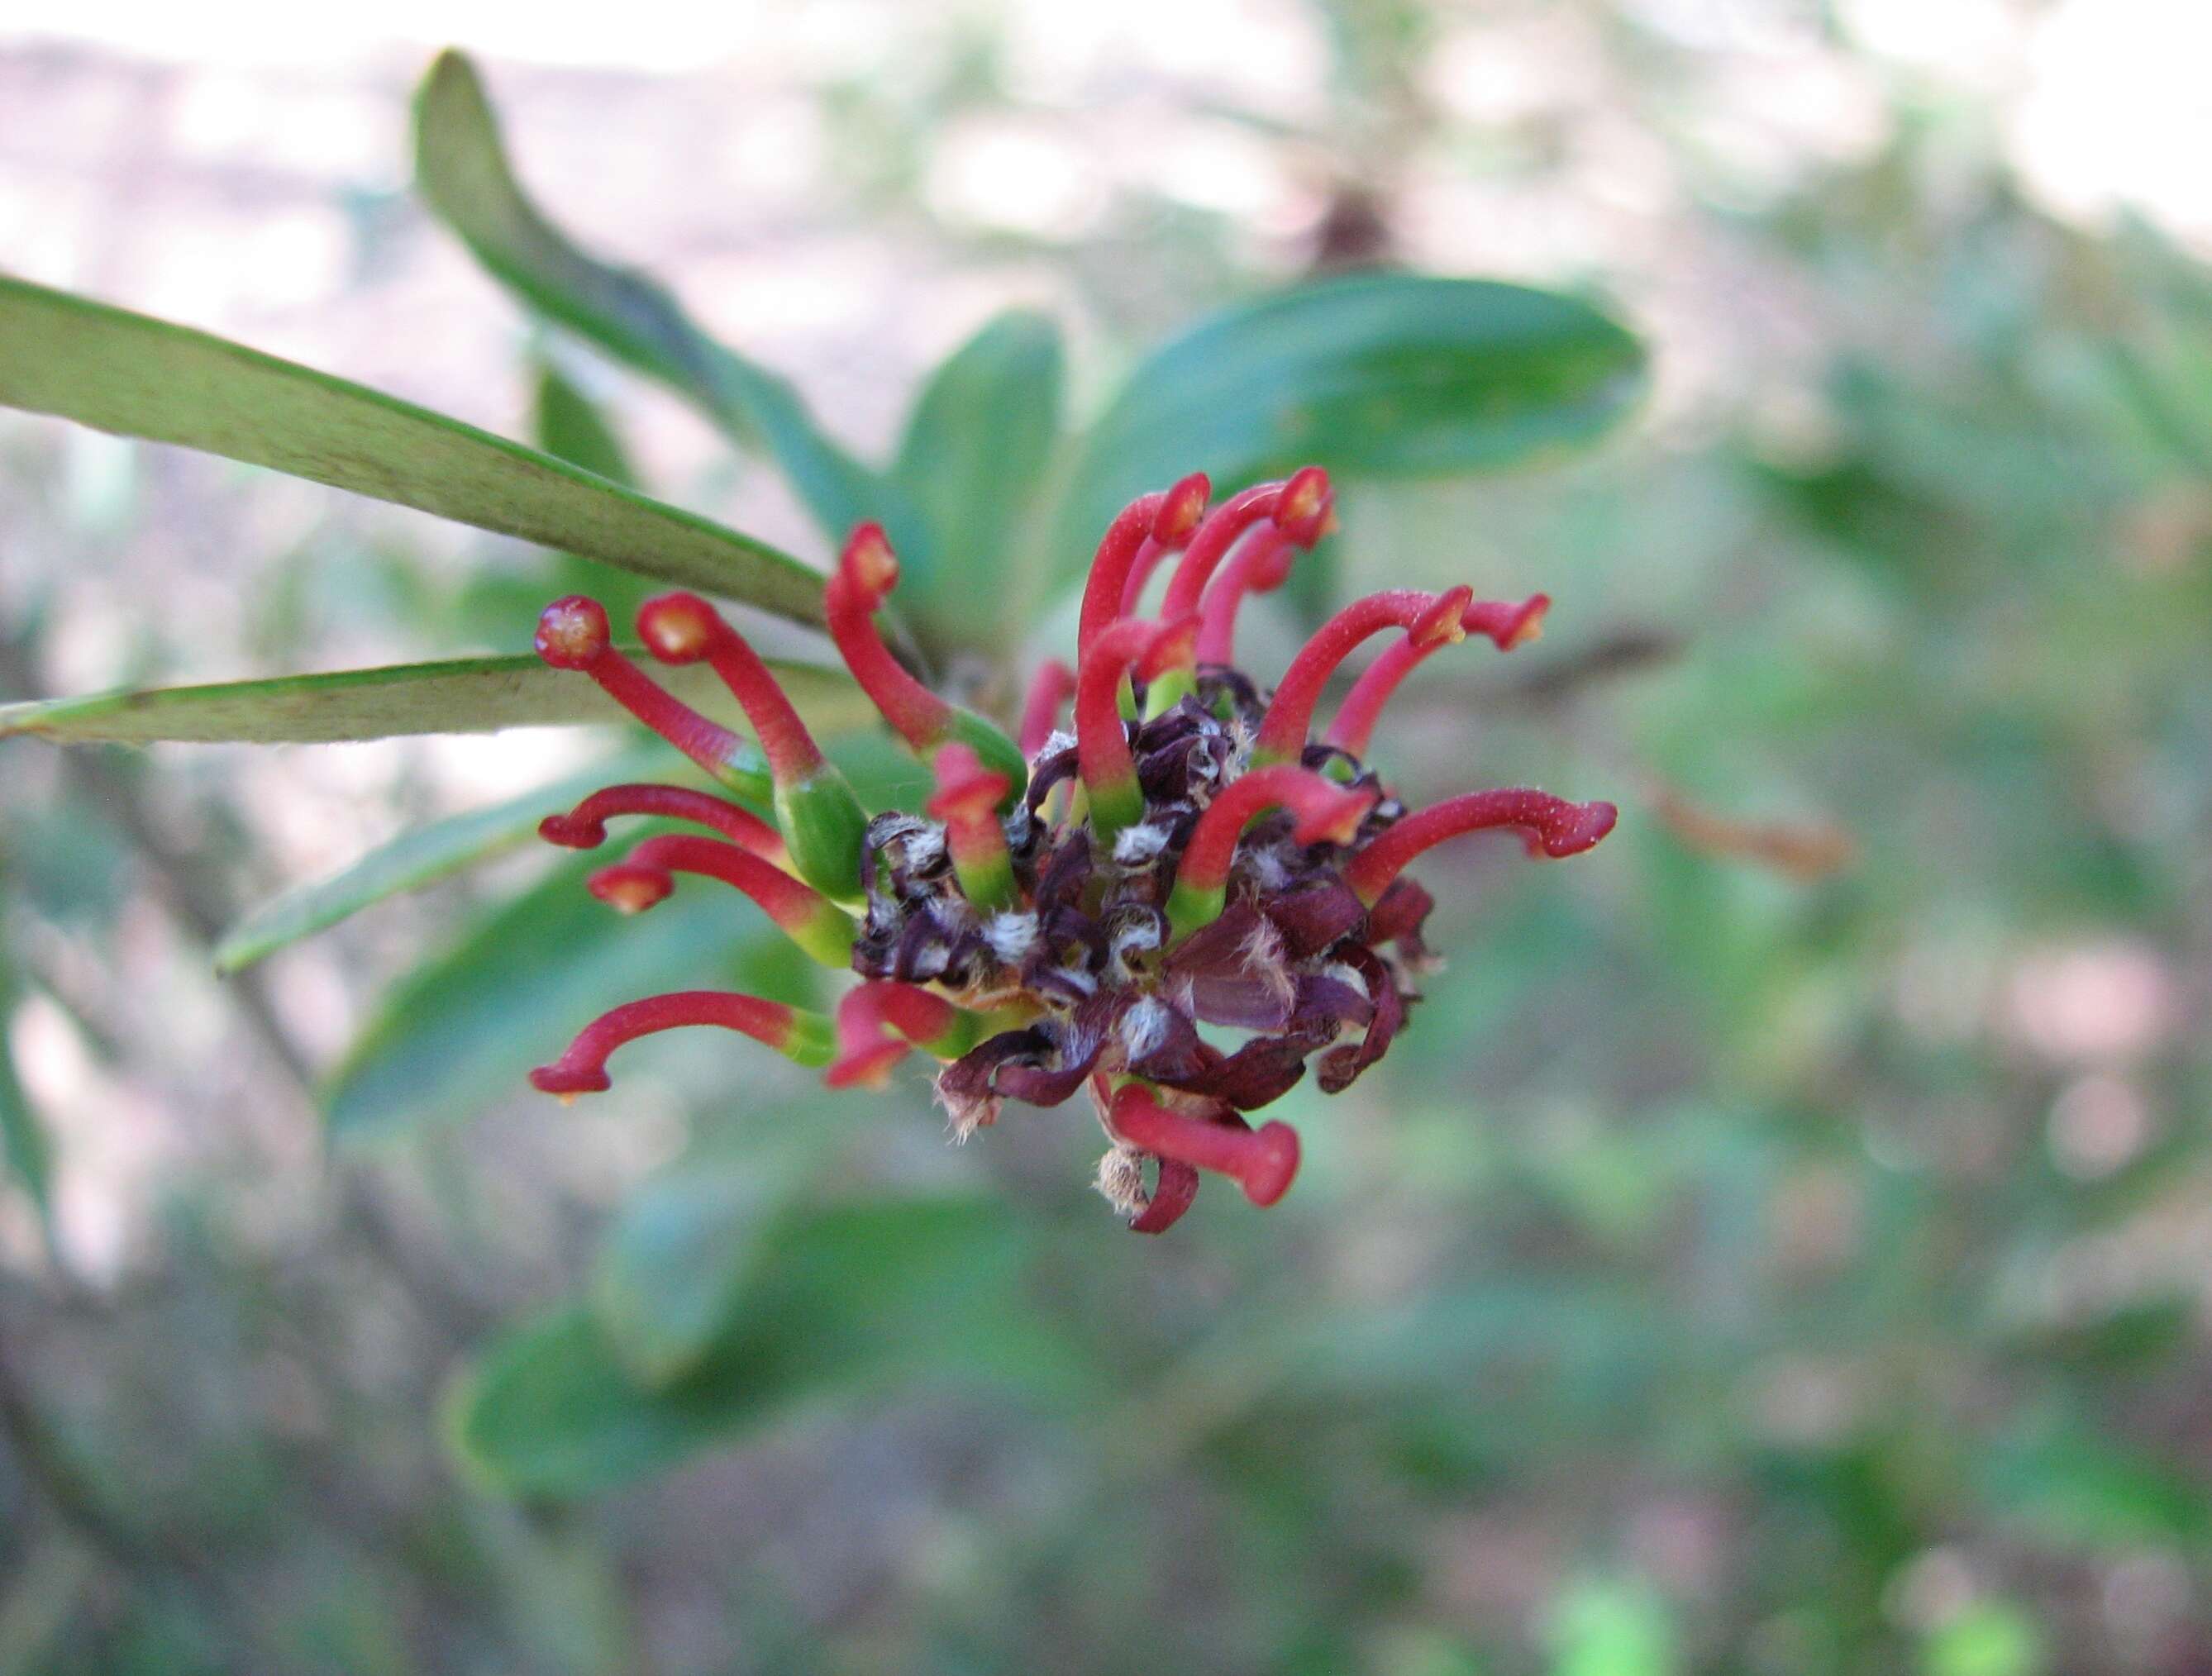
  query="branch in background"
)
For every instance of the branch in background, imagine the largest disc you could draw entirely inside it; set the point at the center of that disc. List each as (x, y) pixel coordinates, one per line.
(201, 905)
(166, 1561)
(1806, 850)
(189, 894)
(1623, 653)
(1547, 686)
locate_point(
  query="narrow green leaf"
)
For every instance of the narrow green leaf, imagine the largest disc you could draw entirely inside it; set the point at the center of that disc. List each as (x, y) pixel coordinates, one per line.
(849, 1301)
(419, 857)
(569, 425)
(975, 454)
(1371, 376)
(565, 423)
(515, 987)
(422, 856)
(462, 169)
(518, 982)
(459, 695)
(126, 373)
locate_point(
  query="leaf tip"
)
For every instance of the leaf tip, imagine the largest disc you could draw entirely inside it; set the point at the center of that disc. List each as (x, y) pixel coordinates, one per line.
(452, 69)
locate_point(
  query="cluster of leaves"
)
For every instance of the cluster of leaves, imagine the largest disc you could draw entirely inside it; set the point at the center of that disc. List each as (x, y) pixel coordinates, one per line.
(994, 511)
(1387, 375)
(1711, 1294)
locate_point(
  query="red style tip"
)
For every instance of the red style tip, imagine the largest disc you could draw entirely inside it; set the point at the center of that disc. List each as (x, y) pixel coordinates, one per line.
(1263, 1161)
(1506, 624)
(1282, 735)
(1441, 625)
(805, 914)
(1274, 1163)
(683, 629)
(786, 901)
(679, 627)
(1210, 543)
(1180, 509)
(573, 632)
(866, 573)
(1307, 509)
(628, 888)
(570, 1080)
(869, 564)
(1300, 509)
(1509, 625)
(1582, 830)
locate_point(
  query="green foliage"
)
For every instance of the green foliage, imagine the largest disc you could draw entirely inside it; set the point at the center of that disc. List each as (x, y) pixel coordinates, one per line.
(570, 427)
(974, 460)
(467, 1024)
(417, 858)
(1394, 375)
(1995, 1638)
(841, 1302)
(460, 695)
(121, 372)
(1737, 1266)
(671, 1272)
(462, 169)
(1604, 1628)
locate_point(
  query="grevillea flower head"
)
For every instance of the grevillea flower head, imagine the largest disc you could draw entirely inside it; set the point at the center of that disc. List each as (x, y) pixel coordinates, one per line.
(1070, 915)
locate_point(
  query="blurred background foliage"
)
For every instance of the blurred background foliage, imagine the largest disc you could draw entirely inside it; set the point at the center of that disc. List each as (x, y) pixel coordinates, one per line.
(1779, 1243)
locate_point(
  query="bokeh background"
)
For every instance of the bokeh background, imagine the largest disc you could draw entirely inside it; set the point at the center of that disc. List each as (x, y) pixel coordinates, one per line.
(1779, 1246)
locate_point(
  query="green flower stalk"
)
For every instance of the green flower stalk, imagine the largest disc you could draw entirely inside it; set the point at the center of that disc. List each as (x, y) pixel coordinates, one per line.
(968, 798)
